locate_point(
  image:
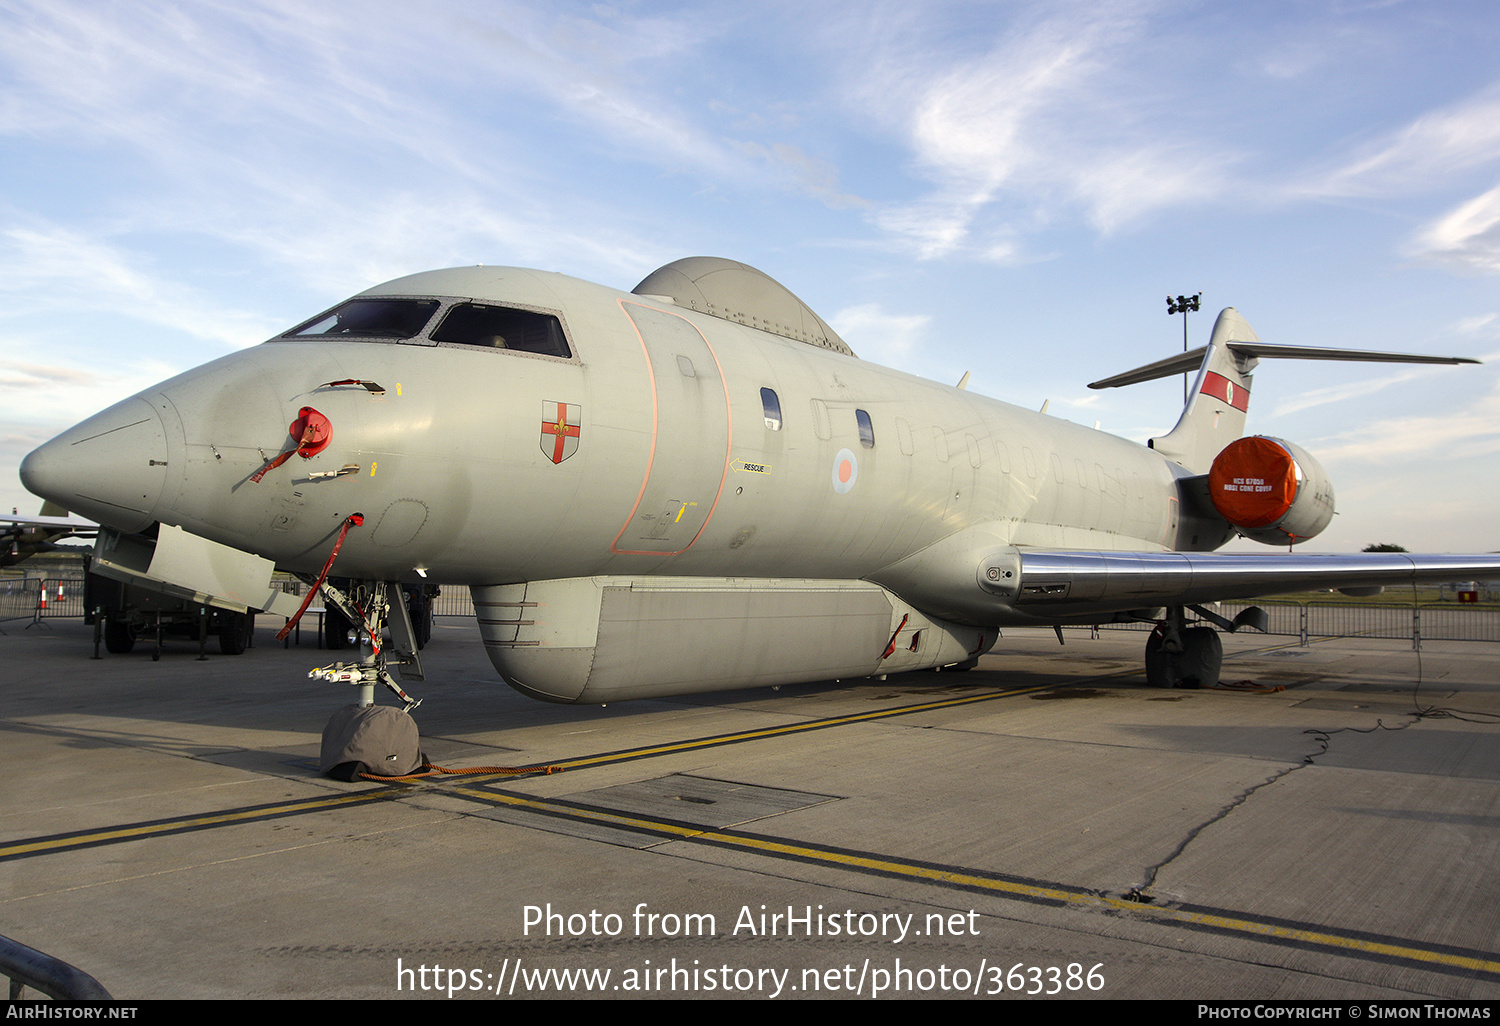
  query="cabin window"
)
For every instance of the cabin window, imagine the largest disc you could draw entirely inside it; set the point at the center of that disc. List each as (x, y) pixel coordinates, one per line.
(370, 318)
(503, 327)
(866, 429)
(770, 405)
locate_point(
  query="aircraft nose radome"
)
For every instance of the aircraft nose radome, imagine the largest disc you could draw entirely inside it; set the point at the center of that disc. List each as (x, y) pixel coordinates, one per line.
(110, 468)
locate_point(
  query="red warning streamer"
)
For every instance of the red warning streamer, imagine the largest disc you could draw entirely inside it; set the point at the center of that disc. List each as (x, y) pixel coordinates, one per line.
(352, 520)
(892, 646)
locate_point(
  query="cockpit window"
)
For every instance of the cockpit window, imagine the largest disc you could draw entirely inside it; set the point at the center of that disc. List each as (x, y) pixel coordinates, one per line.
(371, 318)
(503, 327)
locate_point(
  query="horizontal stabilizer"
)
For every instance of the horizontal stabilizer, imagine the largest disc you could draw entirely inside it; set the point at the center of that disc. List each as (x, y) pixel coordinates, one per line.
(1183, 363)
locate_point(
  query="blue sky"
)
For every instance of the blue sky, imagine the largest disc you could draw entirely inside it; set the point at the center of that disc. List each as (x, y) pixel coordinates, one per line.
(1008, 188)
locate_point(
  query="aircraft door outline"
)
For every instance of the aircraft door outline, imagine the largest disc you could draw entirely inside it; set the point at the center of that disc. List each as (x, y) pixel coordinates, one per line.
(690, 437)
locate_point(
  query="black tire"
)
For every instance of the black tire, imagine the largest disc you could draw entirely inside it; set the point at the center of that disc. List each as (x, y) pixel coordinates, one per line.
(1197, 666)
(119, 638)
(1202, 658)
(1160, 665)
(234, 632)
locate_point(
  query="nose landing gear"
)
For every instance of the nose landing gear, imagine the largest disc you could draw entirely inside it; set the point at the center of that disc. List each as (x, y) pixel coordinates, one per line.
(373, 607)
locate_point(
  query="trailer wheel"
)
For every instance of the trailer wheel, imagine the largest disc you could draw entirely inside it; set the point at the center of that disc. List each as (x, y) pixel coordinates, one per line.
(234, 632)
(119, 638)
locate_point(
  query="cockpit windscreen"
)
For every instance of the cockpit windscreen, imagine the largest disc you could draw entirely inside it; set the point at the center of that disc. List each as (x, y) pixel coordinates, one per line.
(371, 318)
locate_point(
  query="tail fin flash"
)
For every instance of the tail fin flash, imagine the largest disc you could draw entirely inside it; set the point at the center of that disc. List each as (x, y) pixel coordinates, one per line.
(1215, 411)
(1214, 414)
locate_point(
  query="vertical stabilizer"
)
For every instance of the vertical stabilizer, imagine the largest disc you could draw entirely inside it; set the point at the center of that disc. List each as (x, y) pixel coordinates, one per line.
(1215, 412)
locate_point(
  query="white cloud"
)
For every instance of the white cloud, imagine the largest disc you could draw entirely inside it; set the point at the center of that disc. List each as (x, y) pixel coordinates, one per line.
(1052, 116)
(1314, 397)
(63, 269)
(1467, 237)
(1454, 434)
(1427, 152)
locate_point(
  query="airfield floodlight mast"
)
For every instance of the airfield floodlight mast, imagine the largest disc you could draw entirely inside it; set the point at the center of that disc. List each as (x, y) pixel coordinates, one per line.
(1182, 305)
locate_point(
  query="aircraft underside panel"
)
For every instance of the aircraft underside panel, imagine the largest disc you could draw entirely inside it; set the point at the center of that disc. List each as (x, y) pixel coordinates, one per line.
(607, 639)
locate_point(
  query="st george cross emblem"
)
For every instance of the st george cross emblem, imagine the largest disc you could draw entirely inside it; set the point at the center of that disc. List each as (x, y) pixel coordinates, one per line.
(560, 429)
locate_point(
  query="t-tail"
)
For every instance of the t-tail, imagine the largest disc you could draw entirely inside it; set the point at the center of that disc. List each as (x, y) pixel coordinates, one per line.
(1214, 415)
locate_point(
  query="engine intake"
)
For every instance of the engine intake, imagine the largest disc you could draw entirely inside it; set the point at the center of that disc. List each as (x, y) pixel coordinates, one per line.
(1271, 490)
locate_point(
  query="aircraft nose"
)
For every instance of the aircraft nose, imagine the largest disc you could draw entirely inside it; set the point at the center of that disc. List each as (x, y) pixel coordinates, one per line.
(110, 468)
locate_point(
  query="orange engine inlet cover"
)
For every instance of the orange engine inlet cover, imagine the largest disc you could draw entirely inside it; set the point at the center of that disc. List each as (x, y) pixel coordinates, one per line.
(1253, 482)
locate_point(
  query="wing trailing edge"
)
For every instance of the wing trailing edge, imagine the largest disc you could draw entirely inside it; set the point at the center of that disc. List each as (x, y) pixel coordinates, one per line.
(1048, 584)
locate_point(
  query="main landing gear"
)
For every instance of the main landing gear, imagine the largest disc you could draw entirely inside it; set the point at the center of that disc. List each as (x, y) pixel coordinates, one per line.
(1179, 656)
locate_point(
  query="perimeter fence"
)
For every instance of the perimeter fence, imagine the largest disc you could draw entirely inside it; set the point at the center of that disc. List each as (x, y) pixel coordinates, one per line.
(1321, 618)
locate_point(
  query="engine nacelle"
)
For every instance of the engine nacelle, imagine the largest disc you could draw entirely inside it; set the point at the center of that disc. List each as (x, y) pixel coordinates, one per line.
(1271, 490)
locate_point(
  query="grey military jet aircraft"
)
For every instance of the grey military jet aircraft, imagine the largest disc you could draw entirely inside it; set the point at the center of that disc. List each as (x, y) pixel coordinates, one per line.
(695, 486)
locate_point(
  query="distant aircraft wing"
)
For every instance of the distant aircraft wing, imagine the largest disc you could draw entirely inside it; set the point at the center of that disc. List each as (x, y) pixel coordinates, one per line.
(23, 537)
(75, 525)
(1049, 584)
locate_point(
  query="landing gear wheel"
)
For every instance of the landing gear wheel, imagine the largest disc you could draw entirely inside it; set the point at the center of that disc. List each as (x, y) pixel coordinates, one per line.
(1201, 659)
(1196, 666)
(234, 632)
(118, 637)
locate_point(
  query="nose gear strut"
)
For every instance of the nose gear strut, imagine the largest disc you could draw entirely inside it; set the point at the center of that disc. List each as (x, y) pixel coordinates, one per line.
(369, 605)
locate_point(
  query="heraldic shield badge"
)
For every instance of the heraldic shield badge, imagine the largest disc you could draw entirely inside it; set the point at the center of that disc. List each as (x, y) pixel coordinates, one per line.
(560, 429)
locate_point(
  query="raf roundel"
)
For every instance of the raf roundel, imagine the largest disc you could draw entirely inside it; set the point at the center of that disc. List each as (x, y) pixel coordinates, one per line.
(845, 471)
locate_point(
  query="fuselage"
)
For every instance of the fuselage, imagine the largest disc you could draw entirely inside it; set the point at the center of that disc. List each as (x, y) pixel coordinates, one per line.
(665, 441)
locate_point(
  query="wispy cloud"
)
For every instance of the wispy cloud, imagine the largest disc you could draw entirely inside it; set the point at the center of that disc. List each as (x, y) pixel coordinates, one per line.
(1456, 434)
(1468, 237)
(1430, 150)
(64, 269)
(1047, 120)
(1315, 397)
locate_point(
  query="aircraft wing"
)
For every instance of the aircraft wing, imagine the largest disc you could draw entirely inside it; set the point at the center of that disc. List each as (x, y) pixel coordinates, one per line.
(1049, 584)
(23, 537)
(75, 525)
